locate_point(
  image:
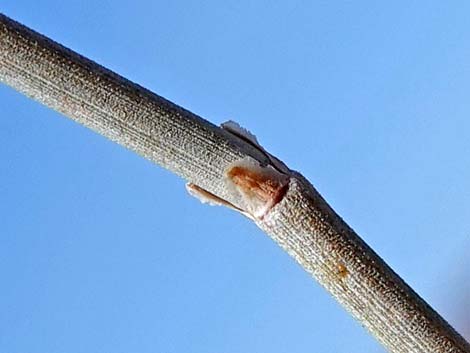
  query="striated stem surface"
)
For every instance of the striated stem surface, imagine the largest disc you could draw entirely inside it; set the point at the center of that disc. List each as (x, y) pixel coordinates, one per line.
(279, 200)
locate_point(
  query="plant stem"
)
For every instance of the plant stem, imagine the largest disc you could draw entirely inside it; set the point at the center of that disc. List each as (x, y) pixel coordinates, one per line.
(297, 217)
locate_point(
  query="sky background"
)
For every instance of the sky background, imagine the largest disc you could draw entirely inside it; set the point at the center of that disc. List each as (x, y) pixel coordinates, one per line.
(102, 251)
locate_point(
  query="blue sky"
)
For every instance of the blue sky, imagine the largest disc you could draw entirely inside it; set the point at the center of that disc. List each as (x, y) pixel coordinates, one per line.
(102, 251)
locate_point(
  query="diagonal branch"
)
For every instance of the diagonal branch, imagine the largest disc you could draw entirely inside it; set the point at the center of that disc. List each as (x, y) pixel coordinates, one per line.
(227, 166)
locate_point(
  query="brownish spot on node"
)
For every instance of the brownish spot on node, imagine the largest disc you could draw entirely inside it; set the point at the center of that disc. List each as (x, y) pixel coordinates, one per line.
(258, 185)
(342, 270)
(261, 187)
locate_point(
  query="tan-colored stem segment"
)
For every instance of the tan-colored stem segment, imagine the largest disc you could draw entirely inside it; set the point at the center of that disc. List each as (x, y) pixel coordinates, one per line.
(301, 221)
(323, 244)
(120, 110)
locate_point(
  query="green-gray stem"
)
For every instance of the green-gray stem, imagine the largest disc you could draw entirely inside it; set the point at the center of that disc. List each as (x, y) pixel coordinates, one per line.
(301, 222)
